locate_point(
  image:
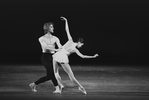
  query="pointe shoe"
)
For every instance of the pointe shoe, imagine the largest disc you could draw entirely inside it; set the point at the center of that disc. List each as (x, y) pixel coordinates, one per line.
(83, 90)
(33, 87)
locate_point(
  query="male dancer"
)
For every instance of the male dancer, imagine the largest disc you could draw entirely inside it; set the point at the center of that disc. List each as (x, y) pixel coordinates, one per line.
(48, 42)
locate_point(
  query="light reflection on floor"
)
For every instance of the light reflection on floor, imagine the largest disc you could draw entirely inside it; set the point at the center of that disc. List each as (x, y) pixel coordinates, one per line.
(101, 82)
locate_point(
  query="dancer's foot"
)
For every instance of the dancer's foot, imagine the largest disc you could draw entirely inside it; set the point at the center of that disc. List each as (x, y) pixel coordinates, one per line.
(33, 87)
(83, 90)
(58, 90)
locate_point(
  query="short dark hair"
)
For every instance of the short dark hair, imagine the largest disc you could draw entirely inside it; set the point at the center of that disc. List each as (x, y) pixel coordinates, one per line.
(46, 26)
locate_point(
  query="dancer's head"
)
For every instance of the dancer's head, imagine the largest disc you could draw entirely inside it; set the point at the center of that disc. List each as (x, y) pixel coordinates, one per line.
(48, 27)
(80, 43)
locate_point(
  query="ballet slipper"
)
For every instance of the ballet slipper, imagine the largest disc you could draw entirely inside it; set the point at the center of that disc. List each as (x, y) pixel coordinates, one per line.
(82, 90)
(33, 87)
(57, 91)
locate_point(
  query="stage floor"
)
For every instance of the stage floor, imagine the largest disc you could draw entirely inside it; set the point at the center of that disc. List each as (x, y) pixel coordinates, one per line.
(101, 83)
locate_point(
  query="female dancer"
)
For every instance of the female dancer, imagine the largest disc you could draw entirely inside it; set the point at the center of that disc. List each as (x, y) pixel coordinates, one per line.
(62, 57)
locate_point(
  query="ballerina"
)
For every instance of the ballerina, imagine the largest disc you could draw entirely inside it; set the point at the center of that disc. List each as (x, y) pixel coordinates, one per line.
(61, 57)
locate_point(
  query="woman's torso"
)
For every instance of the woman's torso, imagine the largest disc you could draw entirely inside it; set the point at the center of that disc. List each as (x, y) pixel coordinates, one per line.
(69, 46)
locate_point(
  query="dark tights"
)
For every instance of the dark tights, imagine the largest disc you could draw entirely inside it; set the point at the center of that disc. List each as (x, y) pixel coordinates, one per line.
(46, 60)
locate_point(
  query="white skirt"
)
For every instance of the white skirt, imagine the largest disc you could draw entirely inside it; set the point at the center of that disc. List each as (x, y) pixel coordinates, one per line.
(61, 56)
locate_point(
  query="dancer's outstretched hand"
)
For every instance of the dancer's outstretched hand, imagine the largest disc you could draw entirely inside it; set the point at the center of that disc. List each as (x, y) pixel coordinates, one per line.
(96, 55)
(63, 18)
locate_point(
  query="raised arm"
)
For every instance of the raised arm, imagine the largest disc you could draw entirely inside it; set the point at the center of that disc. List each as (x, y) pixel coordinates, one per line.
(84, 56)
(67, 28)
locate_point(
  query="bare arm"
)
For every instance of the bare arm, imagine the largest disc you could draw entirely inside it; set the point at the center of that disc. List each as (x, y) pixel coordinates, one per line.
(84, 56)
(67, 28)
(58, 43)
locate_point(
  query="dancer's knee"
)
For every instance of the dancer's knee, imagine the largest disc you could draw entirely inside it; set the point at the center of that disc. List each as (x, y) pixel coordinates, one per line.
(48, 77)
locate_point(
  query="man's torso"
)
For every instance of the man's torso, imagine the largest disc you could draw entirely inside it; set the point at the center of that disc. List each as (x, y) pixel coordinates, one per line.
(50, 41)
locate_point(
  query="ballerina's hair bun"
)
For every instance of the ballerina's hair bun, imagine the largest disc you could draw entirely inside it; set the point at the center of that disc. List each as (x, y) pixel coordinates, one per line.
(80, 40)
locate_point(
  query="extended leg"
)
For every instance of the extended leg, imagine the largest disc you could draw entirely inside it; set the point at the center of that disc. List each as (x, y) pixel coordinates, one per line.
(68, 70)
(56, 71)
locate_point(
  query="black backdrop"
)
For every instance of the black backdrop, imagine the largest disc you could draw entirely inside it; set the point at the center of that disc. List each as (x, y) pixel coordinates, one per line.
(115, 29)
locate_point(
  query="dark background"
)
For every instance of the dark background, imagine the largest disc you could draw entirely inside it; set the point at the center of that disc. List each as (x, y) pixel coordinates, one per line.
(115, 29)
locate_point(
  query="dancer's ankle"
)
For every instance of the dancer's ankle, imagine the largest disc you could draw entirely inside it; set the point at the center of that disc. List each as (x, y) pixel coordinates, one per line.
(57, 87)
(34, 84)
(61, 85)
